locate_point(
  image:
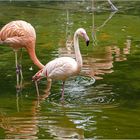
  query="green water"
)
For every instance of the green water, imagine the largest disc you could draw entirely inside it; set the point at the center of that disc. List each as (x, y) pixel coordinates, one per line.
(108, 108)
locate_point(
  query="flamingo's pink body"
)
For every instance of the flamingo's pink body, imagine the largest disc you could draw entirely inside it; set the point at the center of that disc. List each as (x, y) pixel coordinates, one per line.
(64, 67)
(18, 34)
(61, 68)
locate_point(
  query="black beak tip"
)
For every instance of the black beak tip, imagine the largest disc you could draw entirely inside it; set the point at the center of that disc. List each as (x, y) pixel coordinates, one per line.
(87, 42)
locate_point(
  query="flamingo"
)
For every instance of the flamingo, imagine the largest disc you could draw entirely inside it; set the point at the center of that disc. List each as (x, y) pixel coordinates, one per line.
(20, 34)
(63, 67)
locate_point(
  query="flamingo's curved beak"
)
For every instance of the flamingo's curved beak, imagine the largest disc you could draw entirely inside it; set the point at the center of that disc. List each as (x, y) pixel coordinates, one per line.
(87, 42)
(86, 39)
(37, 76)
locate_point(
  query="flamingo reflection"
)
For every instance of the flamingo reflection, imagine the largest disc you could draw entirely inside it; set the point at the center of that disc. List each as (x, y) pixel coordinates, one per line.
(17, 126)
(102, 63)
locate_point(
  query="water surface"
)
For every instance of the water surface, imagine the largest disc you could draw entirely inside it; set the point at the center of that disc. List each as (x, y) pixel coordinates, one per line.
(108, 107)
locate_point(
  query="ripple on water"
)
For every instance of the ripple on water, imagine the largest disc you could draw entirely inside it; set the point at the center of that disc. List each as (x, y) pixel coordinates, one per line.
(19, 127)
(84, 91)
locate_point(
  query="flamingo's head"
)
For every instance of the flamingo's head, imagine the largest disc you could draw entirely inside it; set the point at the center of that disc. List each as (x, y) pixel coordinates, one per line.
(38, 75)
(81, 32)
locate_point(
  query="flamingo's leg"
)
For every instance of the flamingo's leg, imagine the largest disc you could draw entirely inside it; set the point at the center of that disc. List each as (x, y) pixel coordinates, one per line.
(17, 71)
(47, 91)
(49, 83)
(62, 95)
(20, 68)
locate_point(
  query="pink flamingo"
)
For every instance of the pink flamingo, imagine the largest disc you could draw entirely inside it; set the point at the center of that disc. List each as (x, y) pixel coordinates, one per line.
(63, 67)
(20, 34)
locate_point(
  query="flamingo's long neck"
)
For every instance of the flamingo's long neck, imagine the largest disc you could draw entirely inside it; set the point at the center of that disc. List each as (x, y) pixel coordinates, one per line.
(77, 51)
(34, 58)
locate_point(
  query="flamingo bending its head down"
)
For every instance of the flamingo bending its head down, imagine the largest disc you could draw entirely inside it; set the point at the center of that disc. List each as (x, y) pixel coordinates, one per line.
(63, 67)
(19, 34)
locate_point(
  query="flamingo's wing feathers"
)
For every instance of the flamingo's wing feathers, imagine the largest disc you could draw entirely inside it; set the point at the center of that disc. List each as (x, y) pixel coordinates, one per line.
(61, 68)
(14, 41)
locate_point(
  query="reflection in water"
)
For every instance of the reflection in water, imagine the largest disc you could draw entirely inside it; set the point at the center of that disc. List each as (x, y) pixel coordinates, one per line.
(112, 5)
(26, 124)
(21, 125)
(106, 21)
(90, 110)
(42, 119)
(58, 122)
(94, 29)
(67, 48)
(102, 64)
(69, 36)
(61, 127)
(53, 121)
